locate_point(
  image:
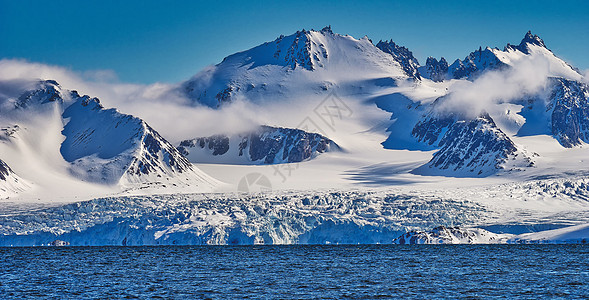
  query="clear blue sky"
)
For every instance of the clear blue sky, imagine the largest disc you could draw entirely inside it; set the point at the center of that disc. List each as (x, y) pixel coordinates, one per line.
(168, 41)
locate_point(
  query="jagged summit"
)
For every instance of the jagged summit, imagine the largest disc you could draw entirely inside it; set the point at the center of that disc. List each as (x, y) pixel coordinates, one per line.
(307, 61)
(529, 39)
(493, 58)
(481, 59)
(303, 49)
(44, 91)
(327, 29)
(533, 39)
(436, 70)
(402, 55)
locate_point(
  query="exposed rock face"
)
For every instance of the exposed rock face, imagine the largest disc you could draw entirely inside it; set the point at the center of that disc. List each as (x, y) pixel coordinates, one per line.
(10, 183)
(301, 51)
(570, 112)
(102, 142)
(104, 145)
(451, 235)
(529, 39)
(474, 63)
(436, 70)
(432, 129)
(48, 91)
(487, 59)
(474, 147)
(5, 170)
(403, 56)
(267, 145)
(218, 143)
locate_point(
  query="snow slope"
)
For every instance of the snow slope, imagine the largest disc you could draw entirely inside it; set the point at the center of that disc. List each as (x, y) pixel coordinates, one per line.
(578, 234)
(106, 146)
(302, 64)
(58, 140)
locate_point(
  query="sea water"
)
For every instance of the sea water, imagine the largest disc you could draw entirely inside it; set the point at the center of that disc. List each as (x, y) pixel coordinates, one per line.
(296, 272)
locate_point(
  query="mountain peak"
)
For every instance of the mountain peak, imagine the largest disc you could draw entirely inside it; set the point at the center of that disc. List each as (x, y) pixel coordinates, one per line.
(327, 29)
(45, 91)
(403, 56)
(532, 39)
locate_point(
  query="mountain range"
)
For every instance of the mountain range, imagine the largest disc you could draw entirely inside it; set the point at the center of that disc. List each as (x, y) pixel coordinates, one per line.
(104, 146)
(498, 137)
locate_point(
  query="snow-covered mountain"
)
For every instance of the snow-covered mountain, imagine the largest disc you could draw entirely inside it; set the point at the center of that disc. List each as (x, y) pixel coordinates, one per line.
(310, 64)
(480, 144)
(492, 59)
(59, 132)
(468, 148)
(511, 124)
(266, 145)
(306, 62)
(103, 145)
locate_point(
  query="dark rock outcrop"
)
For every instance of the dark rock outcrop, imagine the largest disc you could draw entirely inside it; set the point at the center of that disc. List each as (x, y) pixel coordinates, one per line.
(436, 70)
(47, 91)
(485, 59)
(475, 63)
(570, 112)
(268, 145)
(472, 146)
(5, 170)
(403, 56)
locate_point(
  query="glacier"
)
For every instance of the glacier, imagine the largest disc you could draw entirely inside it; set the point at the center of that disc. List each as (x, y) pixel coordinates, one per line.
(502, 213)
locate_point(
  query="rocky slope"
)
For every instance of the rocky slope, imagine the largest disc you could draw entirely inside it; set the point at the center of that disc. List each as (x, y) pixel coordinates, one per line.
(298, 65)
(403, 56)
(569, 112)
(10, 183)
(106, 146)
(471, 147)
(266, 145)
(64, 131)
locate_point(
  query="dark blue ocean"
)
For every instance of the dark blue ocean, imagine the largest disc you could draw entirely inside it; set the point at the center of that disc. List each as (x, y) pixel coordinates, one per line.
(297, 272)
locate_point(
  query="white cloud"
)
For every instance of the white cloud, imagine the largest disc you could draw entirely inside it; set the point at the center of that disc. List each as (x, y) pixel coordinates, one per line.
(528, 76)
(161, 105)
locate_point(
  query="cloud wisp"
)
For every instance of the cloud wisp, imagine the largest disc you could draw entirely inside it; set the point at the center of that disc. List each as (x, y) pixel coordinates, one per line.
(527, 77)
(160, 104)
